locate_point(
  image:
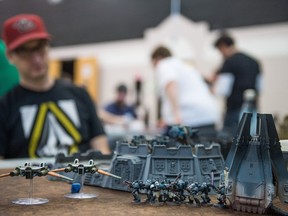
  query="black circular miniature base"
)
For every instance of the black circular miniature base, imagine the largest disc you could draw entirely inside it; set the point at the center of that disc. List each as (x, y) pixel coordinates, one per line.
(30, 201)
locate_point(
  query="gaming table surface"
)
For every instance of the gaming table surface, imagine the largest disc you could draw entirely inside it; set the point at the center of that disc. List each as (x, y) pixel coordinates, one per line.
(108, 202)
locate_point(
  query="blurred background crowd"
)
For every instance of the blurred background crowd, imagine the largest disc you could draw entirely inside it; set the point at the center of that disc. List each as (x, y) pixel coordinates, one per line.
(149, 65)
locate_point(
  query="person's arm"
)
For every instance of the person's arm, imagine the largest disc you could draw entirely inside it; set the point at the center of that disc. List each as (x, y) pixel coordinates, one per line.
(111, 118)
(224, 84)
(224, 80)
(171, 91)
(100, 143)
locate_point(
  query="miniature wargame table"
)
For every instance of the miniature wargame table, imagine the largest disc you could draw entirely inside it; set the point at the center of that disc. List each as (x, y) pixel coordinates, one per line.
(108, 202)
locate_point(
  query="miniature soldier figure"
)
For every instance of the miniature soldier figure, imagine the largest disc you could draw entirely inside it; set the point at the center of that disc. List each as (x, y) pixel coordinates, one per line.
(193, 190)
(226, 174)
(155, 187)
(181, 186)
(205, 189)
(136, 186)
(149, 192)
(164, 190)
(167, 192)
(221, 196)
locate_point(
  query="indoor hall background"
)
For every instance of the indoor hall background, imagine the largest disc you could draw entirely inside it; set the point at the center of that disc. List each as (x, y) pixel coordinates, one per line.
(120, 35)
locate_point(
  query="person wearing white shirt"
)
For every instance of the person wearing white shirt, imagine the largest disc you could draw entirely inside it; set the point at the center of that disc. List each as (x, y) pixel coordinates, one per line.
(185, 97)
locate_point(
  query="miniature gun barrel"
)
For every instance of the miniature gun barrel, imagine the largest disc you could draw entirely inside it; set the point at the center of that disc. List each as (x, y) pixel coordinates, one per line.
(93, 170)
(59, 176)
(58, 170)
(176, 179)
(108, 174)
(68, 169)
(4, 175)
(43, 172)
(127, 182)
(15, 172)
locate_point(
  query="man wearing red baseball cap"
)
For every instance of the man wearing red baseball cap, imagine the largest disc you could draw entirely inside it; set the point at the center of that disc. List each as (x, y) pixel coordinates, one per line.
(23, 28)
(42, 117)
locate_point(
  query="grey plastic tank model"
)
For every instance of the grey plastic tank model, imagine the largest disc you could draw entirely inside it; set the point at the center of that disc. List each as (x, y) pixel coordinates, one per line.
(256, 168)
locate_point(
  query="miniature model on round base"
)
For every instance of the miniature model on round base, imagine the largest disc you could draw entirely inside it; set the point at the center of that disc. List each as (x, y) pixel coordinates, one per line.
(81, 170)
(80, 196)
(30, 201)
(77, 191)
(29, 172)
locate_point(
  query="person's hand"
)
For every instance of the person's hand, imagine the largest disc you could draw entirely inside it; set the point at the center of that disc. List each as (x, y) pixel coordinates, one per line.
(177, 119)
(161, 124)
(127, 118)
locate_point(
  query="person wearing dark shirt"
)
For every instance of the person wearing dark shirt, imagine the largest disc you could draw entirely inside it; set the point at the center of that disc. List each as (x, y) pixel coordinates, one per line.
(238, 73)
(42, 117)
(119, 112)
(118, 117)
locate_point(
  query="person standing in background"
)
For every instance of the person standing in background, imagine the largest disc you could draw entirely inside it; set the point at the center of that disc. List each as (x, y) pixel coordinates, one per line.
(238, 73)
(185, 97)
(42, 117)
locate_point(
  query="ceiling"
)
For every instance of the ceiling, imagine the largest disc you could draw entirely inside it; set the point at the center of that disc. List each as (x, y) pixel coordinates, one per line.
(89, 21)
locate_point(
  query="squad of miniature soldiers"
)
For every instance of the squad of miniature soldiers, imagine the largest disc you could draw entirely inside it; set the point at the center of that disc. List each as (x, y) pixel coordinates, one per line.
(176, 192)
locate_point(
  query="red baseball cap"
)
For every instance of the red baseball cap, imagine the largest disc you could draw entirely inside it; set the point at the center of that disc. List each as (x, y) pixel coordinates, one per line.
(22, 28)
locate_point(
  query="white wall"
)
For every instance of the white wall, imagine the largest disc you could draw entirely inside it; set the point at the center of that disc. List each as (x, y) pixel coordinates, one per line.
(122, 61)
(119, 62)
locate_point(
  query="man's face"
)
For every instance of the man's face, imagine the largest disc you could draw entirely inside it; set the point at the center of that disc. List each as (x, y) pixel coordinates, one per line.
(224, 50)
(121, 95)
(31, 59)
